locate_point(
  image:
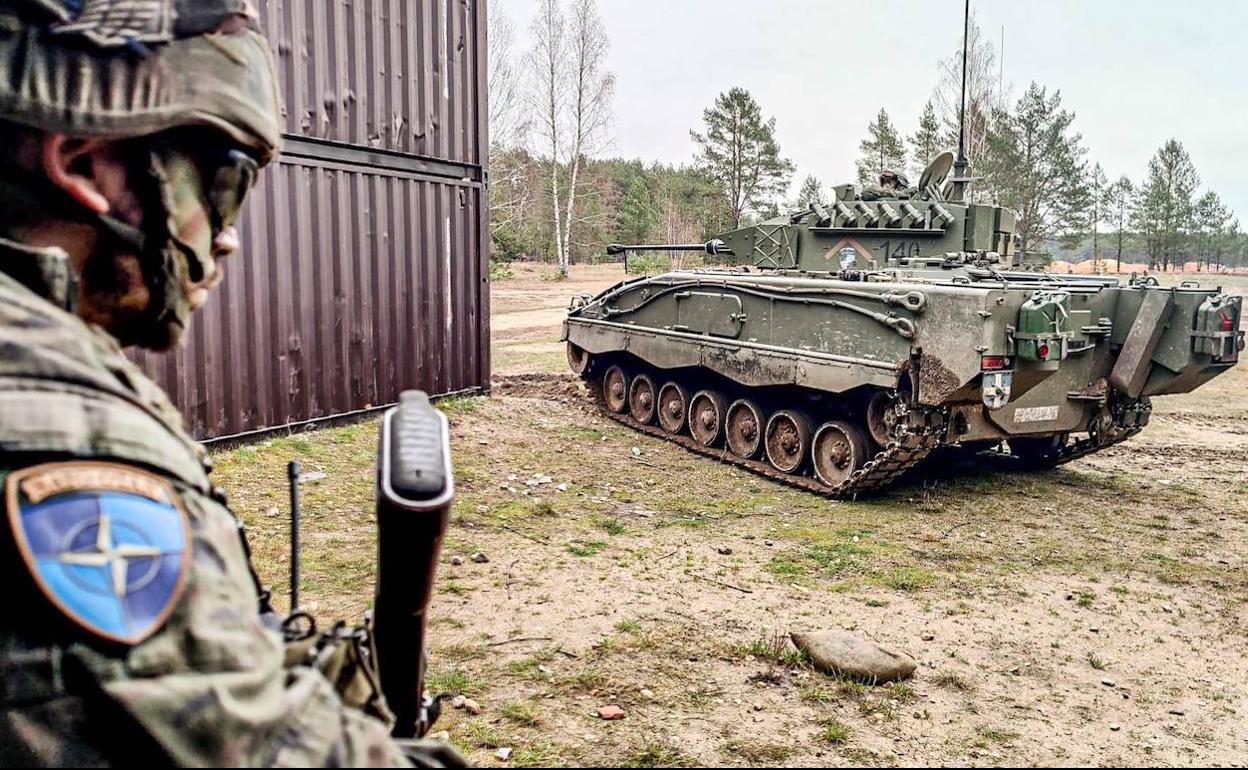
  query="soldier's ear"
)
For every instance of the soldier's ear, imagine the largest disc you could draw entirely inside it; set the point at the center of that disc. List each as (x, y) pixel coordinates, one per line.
(78, 167)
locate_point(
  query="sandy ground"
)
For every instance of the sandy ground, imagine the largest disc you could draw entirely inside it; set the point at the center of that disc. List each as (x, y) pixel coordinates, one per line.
(1091, 615)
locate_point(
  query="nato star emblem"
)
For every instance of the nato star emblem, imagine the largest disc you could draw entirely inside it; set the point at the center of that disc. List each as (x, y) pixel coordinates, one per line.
(107, 544)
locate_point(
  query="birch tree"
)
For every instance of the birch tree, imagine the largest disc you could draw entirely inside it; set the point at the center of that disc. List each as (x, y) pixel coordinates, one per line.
(591, 88)
(985, 97)
(547, 100)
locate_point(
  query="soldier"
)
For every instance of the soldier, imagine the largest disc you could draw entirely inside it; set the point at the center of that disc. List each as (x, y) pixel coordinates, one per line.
(892, 185)
(130, 132)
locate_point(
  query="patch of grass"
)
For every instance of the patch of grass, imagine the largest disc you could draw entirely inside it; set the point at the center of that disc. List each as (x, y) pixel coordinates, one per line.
(997, 736)
(786, 568)
(1095, 662)
(834, 731)
(586, 679)
(773, 648)
(906, 578)
(451, 679)
(483, 735)
(952, 680)
(628, 626)
(500, 271)
(961, 608)
(523, 666)
(537, 753)
(760, 753)
(508, 510)
(839, 558)
(851, 690)
(1084, 599)
(902, 692)
(653, 754)
(452, 587)
(453, 405)
(612, 526)
(813, 693)
(577, 548)
(299, 444)
(520, 713)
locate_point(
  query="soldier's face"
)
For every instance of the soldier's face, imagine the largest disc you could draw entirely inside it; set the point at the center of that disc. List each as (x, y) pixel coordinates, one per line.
(133, 184)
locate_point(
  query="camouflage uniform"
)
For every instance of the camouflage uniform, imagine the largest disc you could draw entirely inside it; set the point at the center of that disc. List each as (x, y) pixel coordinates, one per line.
(182, 668)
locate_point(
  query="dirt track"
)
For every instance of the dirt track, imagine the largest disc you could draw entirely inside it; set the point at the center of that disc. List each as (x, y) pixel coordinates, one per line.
(1091, 615)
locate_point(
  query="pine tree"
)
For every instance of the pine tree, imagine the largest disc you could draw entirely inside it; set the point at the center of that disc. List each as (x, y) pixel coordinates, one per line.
(1117, 203)
(811, 193)
(739, 151)
(926, 144)
(1036, 166)
(1098, 183)
(1211, 218)
(881, 150)
(638, 216)
(1164, 209)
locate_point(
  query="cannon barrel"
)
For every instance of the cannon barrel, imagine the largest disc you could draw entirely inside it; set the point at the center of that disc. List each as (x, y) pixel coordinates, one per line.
(710, 247)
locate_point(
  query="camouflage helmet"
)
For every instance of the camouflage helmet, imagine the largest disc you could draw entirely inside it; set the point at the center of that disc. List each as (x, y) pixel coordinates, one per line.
(889, 176)
(130, 68)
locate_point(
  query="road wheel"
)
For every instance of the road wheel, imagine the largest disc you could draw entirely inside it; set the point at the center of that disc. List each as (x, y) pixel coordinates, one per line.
(838, 451)
(743, 429)
(706, 417)
(787, 440)
(673, 407)
(615, 389)
(642, 398)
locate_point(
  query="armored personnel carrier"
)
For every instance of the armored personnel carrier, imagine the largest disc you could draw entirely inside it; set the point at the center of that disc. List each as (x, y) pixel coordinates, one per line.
(841, 345)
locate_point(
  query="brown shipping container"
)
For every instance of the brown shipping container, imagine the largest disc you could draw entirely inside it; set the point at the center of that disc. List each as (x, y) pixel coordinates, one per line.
(364, 269)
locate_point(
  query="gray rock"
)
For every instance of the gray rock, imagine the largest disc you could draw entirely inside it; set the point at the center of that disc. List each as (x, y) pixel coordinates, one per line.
(842, 654)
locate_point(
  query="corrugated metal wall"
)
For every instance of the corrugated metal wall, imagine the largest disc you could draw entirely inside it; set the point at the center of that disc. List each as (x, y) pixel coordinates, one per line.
(364, 269)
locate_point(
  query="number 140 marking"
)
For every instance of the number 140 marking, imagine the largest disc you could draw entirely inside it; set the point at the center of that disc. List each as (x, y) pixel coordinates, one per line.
(900, 249)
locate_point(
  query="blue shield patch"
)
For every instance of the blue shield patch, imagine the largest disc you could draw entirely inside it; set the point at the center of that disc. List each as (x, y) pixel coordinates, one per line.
(107, 544)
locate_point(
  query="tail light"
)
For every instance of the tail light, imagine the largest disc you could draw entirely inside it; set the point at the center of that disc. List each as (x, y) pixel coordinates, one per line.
(989, 363)
(1043, 351)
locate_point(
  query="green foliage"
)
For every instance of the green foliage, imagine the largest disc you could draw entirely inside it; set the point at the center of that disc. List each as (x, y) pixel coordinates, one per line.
(617, 201)
(881, 150)
(1164, 208)
(638, 216)
(811, 193)
(1036, 166)
(835, 731)
(739, 151)
(926, 143)
(1117, 203)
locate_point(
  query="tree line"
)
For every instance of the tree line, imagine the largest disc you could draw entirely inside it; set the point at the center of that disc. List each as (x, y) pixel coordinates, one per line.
(554, 196)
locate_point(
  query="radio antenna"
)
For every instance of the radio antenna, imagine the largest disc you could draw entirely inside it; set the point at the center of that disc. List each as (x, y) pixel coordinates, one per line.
(960, 167)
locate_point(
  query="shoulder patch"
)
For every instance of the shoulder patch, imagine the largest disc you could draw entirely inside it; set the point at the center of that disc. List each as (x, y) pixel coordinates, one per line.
(107, 544)
(110, 23)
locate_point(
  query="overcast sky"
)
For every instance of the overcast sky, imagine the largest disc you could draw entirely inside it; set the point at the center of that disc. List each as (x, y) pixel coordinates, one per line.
(1135, 73)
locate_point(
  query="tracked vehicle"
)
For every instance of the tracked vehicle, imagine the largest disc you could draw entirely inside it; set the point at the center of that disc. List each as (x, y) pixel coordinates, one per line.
(841, 345)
